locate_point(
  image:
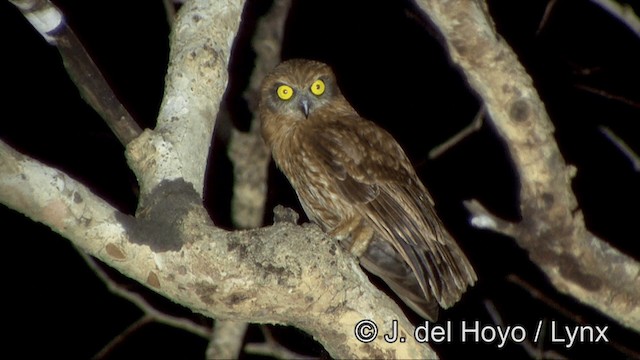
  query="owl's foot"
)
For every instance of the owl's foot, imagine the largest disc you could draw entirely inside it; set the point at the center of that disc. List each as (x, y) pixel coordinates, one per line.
(357, 234)
(360, 240)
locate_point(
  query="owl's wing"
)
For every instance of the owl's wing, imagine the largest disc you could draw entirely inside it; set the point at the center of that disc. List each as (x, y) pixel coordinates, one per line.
(382, 260)
(372, 171)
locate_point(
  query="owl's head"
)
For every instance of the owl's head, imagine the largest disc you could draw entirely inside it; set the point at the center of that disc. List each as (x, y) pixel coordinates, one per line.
(297, 89)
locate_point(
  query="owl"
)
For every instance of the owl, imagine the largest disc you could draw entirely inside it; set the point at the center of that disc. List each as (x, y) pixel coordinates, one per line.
(354, 180)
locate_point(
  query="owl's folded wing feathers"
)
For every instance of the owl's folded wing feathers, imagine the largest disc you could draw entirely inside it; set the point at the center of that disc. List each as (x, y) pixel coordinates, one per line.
(374, 174)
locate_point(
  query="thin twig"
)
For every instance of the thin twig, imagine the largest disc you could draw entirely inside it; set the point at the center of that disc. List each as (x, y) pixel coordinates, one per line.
(94, 89)
(138, 300)
(481, 218)
(474, 126)
(143, 304)
(170, 11)
(533, 351)
(547, 14)
(271, 347)
(624, 13)
(622, 146)
(539, 295)
(607, 95)
(138, 324)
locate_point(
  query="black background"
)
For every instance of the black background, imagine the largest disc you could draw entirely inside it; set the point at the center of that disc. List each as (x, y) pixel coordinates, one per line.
(391, 66)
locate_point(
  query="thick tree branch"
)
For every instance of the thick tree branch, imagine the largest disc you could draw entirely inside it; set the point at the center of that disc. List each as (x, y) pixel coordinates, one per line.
(196, 79)
(552, 230)
(283, 274)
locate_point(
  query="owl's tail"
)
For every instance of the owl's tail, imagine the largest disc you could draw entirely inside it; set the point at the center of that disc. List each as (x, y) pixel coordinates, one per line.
(383, 261)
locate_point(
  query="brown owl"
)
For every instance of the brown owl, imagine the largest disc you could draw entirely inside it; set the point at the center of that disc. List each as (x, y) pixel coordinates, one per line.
(355, 181)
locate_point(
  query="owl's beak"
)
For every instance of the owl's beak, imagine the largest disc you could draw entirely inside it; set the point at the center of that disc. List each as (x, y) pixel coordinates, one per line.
(304, 104)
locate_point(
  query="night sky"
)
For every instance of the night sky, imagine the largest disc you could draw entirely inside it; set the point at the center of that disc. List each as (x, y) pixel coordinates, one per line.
(391, 66)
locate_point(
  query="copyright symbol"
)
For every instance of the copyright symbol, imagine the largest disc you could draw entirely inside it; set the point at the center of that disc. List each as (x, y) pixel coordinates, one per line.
(366, 331)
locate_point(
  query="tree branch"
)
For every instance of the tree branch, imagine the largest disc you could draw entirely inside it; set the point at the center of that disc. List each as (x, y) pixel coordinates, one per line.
(283, 274)
(623, 147)
(227, 340)
(552, 230)
(50, 23)
(247, 151)
(271, 347)
(150, 312)
(200, 45)
(118, 339)
(250, 158)
(534, 352)
(474, 126)
(624, 13)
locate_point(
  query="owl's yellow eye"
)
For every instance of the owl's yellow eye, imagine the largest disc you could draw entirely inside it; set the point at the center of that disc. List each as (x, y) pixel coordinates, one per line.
(285, 92)
(317, 88)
